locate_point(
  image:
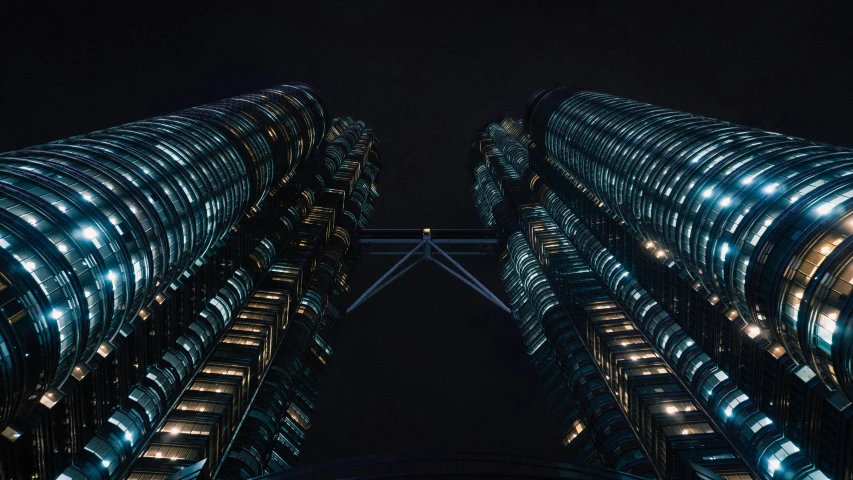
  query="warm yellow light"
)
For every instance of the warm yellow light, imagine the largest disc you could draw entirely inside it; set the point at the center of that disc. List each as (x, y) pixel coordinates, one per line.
(753, 331)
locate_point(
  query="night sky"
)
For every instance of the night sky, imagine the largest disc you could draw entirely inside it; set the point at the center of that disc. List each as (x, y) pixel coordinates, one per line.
(426, 365)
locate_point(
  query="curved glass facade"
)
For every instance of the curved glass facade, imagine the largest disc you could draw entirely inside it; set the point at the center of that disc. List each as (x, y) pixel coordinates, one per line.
(753, 216)
(595, 427)
(609, 429)
(94, 227)
(690, 388)
(256, 355)
(730, 407)
(169, 288)
(271, 434)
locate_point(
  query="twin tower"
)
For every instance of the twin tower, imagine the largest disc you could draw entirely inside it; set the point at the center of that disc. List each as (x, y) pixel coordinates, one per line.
(169, 288)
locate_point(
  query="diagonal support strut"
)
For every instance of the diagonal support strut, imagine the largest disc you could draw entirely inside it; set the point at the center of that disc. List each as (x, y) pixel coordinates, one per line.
(424, 248)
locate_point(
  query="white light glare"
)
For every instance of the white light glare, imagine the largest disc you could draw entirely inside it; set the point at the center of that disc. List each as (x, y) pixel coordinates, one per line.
(112, 277)
(729, 412)
(105, 463)
(726, 201)
(128, 436)
(55, 314)
(90, 233)
(773, 464)
(825, 208)
(770, 188)
(707, 193)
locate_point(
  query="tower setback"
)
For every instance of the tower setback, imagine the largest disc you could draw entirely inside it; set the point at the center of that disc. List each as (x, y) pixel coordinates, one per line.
(698, 270)
(169, 287)
(170, 290)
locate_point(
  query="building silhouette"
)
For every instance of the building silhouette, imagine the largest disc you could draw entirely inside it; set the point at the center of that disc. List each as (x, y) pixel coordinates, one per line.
(169, 287)
(170, 290)
(682, 284)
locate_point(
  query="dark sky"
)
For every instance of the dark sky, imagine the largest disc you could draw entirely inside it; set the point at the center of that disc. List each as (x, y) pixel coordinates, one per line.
(426, 365)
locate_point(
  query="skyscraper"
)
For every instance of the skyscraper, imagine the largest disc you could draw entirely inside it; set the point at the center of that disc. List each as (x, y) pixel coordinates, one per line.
(169, 290)
(169, 287)
(682, 284)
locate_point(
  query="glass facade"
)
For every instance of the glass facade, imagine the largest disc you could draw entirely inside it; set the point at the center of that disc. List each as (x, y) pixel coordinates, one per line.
(170, 287)
(679, 249)
(753, 216)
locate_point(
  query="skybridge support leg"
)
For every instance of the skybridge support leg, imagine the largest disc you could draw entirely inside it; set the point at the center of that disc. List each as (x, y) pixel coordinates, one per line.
(473, 280)
(489, 296)
(381, 283)
(424, 250)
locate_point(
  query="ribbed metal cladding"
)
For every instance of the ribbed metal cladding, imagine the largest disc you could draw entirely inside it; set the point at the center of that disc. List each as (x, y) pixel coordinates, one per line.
(754, 216)
(254, 443)
(93, 227)
(502, 194)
